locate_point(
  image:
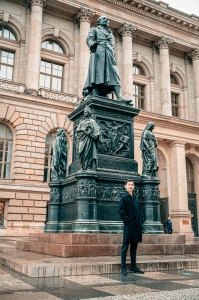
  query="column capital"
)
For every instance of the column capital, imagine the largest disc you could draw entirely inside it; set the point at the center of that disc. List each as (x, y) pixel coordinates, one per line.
(84, 15)
(163, 43)
(177, 144)
(127, 30)
(36, 2)
(194, 54)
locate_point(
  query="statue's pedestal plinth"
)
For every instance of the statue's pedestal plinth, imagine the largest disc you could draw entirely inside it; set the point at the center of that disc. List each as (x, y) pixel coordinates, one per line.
(88, 200)
(151, 206)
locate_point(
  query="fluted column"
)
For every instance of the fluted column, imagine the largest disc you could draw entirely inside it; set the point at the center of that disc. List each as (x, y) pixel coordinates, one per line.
(195, 59)
(84, 17)
(179, 213)
(34, 48)
(127, 31)
(165, 86)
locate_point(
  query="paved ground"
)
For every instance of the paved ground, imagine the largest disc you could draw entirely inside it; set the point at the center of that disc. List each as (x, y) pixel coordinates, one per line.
(161, 285)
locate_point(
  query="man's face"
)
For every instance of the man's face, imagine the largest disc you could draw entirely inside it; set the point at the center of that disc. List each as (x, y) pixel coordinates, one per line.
(104, 21)
(129, 186)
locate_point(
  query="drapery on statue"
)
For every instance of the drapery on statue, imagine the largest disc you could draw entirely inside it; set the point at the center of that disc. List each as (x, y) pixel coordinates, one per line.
(103, 76)
(59, 156)
(88, 132)
(148, 146)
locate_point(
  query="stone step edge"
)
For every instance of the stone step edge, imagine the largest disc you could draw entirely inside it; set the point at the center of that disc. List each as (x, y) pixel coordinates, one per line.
(34, 270)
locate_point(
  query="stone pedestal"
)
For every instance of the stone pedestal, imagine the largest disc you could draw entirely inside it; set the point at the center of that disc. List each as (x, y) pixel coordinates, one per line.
(151, 206)
(89, 199)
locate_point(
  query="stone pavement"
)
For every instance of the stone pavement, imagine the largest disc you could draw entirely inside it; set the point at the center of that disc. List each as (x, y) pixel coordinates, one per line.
(165, 284)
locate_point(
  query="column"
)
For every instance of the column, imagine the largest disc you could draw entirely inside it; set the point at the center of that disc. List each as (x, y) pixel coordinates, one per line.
(179, 212)
(127, 31)
(85, 17)
(165, 87)
(34, 47)
(195, 59)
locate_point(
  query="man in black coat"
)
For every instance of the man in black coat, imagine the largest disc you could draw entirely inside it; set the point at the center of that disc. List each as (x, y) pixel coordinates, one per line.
(131, 214)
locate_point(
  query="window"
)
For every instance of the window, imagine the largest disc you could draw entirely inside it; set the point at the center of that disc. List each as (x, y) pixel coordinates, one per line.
(138, 70)
(6, 65)
(47, 164)
(190, 176)
(138, 96)
(174, 104)
(51, 45)
(6, 33)
(173, 80)
(5, 151)
(2, 207)
(51, 76)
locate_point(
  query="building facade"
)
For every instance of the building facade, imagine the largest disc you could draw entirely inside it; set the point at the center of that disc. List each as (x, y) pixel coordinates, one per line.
(43, 66)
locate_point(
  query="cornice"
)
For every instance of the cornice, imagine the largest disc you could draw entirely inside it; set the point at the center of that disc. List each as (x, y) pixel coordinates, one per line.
(159, 13)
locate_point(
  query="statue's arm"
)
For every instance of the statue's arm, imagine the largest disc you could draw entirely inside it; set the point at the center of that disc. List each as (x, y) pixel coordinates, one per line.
(91, 40)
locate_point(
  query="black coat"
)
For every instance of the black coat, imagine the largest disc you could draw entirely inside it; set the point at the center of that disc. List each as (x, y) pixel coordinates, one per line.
(131, 213)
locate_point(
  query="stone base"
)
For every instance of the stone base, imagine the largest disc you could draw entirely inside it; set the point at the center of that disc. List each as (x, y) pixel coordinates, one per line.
(92, 245)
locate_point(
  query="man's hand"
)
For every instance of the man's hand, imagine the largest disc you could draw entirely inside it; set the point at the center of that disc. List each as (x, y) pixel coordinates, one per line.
(93, 46)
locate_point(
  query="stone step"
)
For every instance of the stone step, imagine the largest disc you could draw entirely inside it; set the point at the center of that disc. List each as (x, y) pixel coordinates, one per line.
(91, 250)
(103, 239)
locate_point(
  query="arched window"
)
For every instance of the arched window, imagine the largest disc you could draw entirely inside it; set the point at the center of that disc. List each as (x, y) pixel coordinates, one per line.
(47, 163)
(52, 45)
(190, 176)
(7, 33)
(138, 70)
(173, 79)
(6, 140)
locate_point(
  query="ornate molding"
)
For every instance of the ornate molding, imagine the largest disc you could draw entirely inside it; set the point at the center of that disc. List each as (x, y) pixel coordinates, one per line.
(41, 3)
(58, 96)
(85, 15)
(194, 54)
(127, 30)
(164, 43)
(12, 86)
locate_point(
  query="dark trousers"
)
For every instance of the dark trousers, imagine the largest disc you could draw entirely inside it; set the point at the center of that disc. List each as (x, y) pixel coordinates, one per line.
(133, 249)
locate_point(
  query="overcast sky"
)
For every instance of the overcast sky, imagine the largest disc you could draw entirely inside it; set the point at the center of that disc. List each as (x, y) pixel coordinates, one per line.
(187, 6)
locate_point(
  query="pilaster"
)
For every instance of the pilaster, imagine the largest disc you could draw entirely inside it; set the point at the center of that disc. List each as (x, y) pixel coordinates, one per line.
(194, 54)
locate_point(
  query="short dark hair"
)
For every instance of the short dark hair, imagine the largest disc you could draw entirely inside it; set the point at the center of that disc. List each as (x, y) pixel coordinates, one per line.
(129, 180)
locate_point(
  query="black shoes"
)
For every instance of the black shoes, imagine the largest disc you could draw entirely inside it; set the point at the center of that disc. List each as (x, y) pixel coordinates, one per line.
(136, 270)
(124, 272)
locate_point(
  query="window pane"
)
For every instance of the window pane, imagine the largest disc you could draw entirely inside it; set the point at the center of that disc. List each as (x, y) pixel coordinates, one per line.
(54, 84)
(45, 174)
(6, 33)
(1, 156)
(2, 130)
(9, 73)
(0, 30)
(3, 71)
(6, 174)
(49, 46)
(56, 47)
(12, 37)
(42, 78)
(59, 84)
(47, 82)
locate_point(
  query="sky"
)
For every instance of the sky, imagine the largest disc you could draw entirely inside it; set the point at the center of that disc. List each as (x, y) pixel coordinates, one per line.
(187, 6)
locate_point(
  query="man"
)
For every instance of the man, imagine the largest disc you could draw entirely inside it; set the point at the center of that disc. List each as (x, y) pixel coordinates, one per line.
(169, 226)
(103, 76)
(131, 214)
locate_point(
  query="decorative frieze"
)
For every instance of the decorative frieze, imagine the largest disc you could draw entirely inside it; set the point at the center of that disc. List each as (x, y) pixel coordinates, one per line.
(127, 29)
(164, 43)
(12, 86)
(194, 54)
(85, 15)
(58, 96)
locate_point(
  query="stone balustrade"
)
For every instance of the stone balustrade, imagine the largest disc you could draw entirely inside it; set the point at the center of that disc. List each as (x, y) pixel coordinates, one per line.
(12, 86)
(58, 96)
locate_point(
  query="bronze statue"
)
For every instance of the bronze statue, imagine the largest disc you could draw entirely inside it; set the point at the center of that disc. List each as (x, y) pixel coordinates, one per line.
(87, 134)
(148, 146)
(103, 76)
(59, 156)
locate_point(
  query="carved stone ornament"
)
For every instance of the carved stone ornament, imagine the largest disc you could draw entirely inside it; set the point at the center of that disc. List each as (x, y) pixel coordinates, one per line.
(55, 195)
(194, 54)
(85, 15)
(150, 194)
(164, 43)
(36, 2)
(127, 29)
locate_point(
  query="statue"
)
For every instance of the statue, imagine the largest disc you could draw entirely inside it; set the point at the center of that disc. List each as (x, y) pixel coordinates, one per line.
(59, 156)
(103, 76)
(148, 146)
(88, 132)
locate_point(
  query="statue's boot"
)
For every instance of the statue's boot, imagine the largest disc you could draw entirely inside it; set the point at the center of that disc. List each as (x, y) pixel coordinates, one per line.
(117, 90)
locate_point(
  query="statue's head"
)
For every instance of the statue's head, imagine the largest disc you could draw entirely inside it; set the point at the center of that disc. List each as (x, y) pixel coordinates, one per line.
(114, 123)
(103, 21)
(87, 111)
(61, 132)
(150, 126)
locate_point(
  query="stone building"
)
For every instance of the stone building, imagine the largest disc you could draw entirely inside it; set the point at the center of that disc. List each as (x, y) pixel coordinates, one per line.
(43, 66)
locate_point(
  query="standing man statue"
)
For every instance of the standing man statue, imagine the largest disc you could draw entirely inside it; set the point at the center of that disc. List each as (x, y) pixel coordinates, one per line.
(131, 214)
(87, 134)
(103, 76)
(59, 156)
(148, 146)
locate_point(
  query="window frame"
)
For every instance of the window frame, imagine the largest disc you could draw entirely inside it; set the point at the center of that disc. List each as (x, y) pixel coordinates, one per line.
(142, 97)
(175, 105)
(3, 157)
(10, 31)
(52, 76)
(188, 175)
(13, 66)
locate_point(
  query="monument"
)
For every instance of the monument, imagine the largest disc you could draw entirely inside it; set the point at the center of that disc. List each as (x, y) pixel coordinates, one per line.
(86, 201)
